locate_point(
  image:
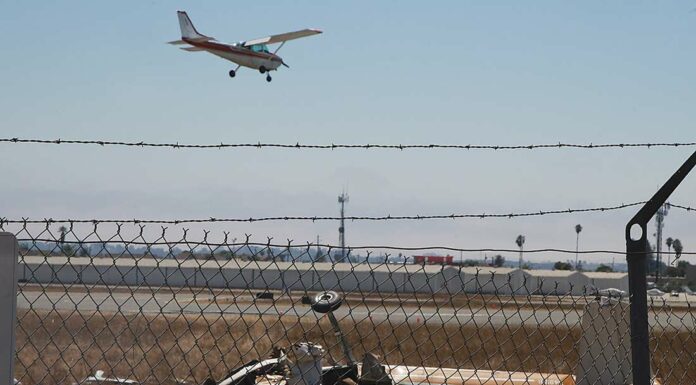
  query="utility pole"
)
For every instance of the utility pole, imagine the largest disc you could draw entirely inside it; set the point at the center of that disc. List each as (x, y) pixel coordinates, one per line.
(342, 199)
(578, 229)
(660, 223)
(317, 257)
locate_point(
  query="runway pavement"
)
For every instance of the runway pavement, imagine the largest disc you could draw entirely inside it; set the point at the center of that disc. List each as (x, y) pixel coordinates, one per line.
(167, 302)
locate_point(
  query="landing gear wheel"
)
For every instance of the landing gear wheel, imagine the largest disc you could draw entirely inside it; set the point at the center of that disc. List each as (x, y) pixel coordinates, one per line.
(326, 302)
(268, 78)
(262, 69)
(232, 73)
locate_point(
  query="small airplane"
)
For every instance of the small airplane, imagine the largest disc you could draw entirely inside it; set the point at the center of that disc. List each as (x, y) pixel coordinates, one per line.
(252, 54)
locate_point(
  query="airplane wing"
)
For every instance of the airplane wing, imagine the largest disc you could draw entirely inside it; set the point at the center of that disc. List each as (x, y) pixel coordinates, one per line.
(283, 37)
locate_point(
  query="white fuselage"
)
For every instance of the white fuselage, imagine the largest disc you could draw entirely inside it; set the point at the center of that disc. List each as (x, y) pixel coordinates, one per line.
(239, 54)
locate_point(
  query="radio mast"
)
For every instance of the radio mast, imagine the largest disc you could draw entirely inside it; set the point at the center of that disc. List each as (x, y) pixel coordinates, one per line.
(660, 224)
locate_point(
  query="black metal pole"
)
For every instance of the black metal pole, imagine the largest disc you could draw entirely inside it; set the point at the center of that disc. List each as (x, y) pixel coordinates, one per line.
(637, 286)
(636, 256)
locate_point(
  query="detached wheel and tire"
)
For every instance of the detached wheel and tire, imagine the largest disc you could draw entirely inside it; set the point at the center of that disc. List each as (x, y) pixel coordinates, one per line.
(326, 302)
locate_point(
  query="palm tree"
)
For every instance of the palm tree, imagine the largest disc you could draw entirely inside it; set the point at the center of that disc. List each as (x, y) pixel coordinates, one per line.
(520, 243)
(677, 248)
(62, 230)
(669, 241)
(578, 229)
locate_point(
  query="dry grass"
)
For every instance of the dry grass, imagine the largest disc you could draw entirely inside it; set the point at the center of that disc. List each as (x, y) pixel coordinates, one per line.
(61, 347)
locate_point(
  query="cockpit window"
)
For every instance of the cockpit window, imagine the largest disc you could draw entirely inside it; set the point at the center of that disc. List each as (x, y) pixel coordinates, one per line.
(259, 48)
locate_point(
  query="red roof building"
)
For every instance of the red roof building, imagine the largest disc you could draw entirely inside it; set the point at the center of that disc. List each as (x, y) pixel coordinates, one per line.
(433, 259)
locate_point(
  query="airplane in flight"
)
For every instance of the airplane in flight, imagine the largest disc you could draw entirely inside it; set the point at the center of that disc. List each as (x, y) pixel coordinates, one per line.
(252, 54)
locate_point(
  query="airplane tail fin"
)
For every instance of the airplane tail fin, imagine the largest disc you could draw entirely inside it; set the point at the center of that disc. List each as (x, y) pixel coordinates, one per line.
(187, 29)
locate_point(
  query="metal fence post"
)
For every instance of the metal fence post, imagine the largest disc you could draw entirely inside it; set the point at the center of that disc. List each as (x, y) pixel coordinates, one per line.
(636, 257)
(8, 305)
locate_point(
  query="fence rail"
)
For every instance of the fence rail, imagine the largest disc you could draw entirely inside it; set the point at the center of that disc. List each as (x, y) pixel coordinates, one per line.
(136, 305)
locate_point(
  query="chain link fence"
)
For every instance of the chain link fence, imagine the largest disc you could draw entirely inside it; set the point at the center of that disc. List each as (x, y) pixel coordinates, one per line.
(162, 306)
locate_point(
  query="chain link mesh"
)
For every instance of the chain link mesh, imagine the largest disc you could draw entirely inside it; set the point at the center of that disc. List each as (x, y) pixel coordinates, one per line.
(161, 306)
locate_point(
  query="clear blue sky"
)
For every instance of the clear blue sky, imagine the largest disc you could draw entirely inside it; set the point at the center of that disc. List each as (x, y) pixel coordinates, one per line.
(383, 72)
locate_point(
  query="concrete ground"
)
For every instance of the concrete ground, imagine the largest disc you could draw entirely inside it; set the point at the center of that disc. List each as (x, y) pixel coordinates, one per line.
(514, 312)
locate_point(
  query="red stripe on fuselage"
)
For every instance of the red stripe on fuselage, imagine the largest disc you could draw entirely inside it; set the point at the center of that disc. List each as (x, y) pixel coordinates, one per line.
(231, 49)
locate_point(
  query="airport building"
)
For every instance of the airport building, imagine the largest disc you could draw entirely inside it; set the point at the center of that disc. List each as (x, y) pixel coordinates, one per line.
(556, 282)
(292, 276)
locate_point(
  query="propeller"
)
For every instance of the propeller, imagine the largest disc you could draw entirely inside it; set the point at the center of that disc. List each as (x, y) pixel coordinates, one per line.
(283, 63)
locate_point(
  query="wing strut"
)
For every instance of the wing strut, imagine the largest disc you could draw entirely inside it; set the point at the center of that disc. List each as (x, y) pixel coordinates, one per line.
(279, 47)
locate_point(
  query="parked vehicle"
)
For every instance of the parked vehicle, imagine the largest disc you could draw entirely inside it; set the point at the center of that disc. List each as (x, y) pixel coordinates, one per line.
(656, 293)
(613, 293)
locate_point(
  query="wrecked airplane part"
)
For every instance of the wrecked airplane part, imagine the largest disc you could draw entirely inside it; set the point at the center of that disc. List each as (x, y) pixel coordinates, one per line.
(305, 364)
(100, 378)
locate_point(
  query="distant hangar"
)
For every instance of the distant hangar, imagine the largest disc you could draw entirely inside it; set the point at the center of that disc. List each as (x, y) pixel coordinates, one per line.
(345, 277)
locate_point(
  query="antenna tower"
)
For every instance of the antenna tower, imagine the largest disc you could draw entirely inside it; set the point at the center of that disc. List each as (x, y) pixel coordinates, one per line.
(660, 224)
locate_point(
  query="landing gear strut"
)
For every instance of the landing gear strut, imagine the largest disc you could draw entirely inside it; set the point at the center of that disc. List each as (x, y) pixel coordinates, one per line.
(232, 73)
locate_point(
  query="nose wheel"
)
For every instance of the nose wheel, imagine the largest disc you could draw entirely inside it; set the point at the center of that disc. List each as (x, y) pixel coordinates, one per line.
(268, 78)
(232, 73)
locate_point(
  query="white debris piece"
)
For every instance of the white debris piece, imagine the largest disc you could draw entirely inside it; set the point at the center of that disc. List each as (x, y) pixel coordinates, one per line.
(305, 364)
(99, 378)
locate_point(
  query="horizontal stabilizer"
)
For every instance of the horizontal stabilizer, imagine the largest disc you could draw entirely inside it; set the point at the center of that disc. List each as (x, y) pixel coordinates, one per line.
(204, 38)
(177, 42)
(192, 49)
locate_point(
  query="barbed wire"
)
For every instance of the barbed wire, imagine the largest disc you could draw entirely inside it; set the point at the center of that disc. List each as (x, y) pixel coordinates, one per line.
(308, 245)
(329, 218)
(335, 146)
(687, 208)
(335, 218)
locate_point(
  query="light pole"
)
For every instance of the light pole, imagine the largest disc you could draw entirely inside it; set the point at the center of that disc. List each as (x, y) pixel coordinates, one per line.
(578, 229)
(342, 199)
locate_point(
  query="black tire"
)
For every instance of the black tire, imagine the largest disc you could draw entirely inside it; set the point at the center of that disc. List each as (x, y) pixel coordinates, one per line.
(262, 69)
(268, 78)
(326, 301)
(232, 73)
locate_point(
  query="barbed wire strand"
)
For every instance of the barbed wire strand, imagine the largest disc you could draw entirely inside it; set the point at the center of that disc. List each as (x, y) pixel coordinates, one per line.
(334, 146)
(334, 218)
(348, 248)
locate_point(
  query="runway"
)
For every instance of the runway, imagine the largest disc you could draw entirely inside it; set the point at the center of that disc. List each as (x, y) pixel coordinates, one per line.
(167, 302)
